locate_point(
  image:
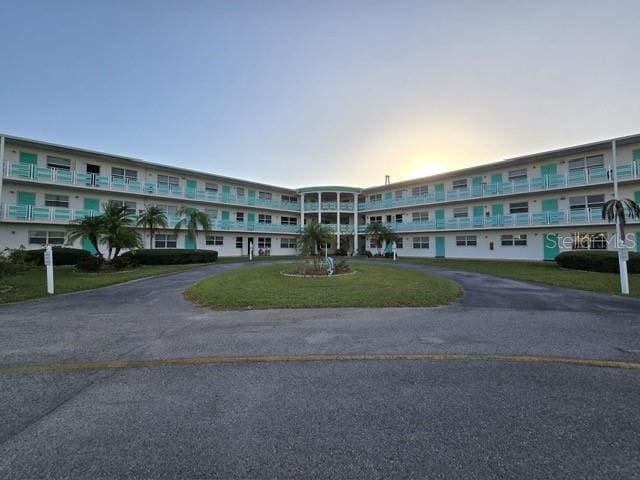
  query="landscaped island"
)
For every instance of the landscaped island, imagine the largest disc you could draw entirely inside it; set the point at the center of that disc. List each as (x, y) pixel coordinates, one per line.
(371, 286)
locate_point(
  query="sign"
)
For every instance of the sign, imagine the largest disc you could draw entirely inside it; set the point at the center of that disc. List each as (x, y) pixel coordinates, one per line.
(48, 257)
(48, 261)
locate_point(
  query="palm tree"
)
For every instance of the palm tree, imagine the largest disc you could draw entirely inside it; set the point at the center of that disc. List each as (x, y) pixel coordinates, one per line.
(379, 233)
(191, 219)
(91, 228)
(119, 232)
(311, 239)
(151, 218)
(614, 211)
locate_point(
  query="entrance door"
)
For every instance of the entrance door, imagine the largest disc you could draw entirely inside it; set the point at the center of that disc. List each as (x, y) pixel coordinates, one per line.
(551, 247)
(92, 204)
(94, 171)
(549, 169)
(191, 188)
(439, 218)
(189, 243)
(27, 158)
(440, 247)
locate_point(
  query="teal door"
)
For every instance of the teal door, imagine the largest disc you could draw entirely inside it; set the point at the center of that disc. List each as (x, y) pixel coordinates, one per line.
(440, 247)
(88, 246)
(388, 198)
(27, 198)
(497, 210)
(224, 219)
(638, 242)
(92, 204)
(478, 216)
(550, 205)
(251, 221)
(551, 247)
(252, 197)
(549, 169)
(637, 197)
(27, 158)
(439, 191)
(189, 243)
(476, 186)
(439, 218)
(496, 179)
(191, 188)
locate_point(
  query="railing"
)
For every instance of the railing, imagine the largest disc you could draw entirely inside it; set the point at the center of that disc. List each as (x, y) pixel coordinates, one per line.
(546, 182)
(118, 184)
(573, 217)
(344, 228)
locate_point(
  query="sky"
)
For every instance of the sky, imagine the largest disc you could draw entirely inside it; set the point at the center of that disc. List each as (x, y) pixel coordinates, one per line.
(301, 93)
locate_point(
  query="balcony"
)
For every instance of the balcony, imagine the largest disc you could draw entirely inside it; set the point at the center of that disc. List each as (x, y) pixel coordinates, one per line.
(55, 176)
(518, 220)
(593, 176)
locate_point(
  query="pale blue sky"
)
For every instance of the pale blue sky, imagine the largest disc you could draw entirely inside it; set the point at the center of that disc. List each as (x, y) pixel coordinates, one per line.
(305, 92)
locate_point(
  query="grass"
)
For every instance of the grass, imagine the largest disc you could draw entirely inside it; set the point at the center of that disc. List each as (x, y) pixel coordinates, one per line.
(33, 282)
(548, 273)
(372, 286)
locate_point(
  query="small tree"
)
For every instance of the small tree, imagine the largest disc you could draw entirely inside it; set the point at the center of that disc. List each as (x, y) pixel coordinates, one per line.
(380, 233)
(192, 219)
(614, 210)
(91, 228)
(311, 239)
(152, 218)
(118, 230)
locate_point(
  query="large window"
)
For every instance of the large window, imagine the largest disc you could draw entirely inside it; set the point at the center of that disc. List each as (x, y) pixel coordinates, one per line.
(519, 207)
(420, 242)
(265, 195)
(240, 217)
(288, 220)
(239, 242)
(399, 218)
(46, 237)
(166, 240)
(264, 242)
(212, 213)
(399, 243)
(461, 183)
(240, 191)
(262, 218)
(460, 212)
(421, 216)
(51, 200)
(466, 240)
(172, 210)
(586, 201)
(420, 191)
(59, 163)
(399, 194)
(289, 198)
(211, 188)
(125, 174)
(130, 207)
(376, 197)
(287, 242)
(375, 219)
(589, 241)
(515, 240)
(214, 240)
(168, 181)
(594, 161)
(520, 174)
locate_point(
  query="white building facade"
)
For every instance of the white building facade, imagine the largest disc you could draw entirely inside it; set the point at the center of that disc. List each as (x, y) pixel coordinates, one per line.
(531, 207)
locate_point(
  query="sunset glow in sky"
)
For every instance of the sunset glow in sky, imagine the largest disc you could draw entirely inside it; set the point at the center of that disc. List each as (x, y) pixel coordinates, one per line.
(300, 93)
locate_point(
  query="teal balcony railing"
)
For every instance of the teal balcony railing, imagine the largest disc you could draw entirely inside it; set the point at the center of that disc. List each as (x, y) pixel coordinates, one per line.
(118, 184)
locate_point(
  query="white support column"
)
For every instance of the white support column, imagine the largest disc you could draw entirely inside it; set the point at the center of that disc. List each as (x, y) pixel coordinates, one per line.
(338, 220)
(319, 207)
(2, 165)
(355, 223)
(302, 210)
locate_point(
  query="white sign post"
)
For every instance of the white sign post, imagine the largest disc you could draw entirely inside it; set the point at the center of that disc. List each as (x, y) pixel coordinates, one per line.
(395, 251)
(250, 251)
(48, 262)
(623, 254)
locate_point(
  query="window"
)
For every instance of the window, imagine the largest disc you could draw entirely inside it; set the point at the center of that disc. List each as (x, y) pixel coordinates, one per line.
(262, 218)
(46, 238)
(466, 240)
(168, 181)
(594, 161)
(589, 241)
(211, 188)
(289, 198)
(212, 213)
(172, 210)
(399, 242)
(460, 212)
(389, 218)
(288, 220)
(399, 218)
(420, 191)
(375, 219)
(376, 197)
(166, 240)
(519, 207)
(239, 242)
(265, 196)
(422, 216)
(240, 191)
(59, 163)
(51, 200)
(214, 240)
(588, 201)
(516, 240)
(287, 242)
(124, 174)
(130, 207)
(264, 242)
(461, 183)
(399, 194)
(420, 242)
(240, 217)
(520, 174)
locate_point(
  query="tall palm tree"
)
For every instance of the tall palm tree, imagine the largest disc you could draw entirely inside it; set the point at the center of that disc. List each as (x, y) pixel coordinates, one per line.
(119, 232)
(379, 233)
(616, 209)
(192, 219)
(311, 239)
(91, 228)
(152, 218)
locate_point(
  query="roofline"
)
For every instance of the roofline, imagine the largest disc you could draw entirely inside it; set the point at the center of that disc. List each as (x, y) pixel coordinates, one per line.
(96, 153)
(548, 154)
(329, 188)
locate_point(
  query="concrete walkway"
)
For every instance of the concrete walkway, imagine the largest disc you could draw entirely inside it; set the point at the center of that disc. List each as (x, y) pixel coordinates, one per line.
(323, 419)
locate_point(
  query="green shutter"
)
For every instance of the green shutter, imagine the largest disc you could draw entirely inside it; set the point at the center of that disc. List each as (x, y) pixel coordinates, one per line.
(27, 198)
(549, 169)
(27, 158)
(550, 205)
(497, 210)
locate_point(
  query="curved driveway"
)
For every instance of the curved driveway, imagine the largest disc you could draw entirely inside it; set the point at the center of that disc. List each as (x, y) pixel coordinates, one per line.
(321, 419)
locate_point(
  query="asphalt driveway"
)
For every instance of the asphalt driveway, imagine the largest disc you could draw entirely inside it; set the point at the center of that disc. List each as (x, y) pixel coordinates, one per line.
(325, 418)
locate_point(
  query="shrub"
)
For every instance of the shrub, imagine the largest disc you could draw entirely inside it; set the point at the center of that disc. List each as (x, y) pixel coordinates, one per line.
(124, 261)
(597, 261)
(89, 264)
(341, 252)
(61, 255)
(173, 256)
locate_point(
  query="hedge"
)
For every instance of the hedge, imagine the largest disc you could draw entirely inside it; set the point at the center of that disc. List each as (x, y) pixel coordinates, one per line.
(61, 256)
(597, 261)
(170, 256)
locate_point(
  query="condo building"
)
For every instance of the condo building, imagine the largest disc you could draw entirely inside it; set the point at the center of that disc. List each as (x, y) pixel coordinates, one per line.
(531, 207)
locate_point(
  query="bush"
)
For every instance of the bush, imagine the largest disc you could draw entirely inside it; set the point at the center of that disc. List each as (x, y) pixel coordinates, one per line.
(13, 262)
(597, 261)
(173, 256)
(61, 256)
(340, 252)
(124, 261)
(89, 264)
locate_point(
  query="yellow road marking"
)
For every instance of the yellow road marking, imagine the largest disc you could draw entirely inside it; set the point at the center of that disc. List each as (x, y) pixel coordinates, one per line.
(224, 360)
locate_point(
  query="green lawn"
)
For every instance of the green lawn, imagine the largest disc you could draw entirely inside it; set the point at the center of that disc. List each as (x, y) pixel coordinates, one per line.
(264, 286)
(33, 283)
(548, 273)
